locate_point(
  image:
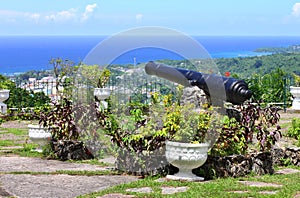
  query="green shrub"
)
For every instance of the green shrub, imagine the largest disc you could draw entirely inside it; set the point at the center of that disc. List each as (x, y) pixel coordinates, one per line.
(231, 139)
(1, 120)
(294, 130)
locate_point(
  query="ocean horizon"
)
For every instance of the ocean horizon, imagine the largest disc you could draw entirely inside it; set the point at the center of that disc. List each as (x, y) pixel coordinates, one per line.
(19, 54)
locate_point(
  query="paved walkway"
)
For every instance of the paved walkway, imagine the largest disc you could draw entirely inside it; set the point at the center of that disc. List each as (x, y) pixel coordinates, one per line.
(47, 185)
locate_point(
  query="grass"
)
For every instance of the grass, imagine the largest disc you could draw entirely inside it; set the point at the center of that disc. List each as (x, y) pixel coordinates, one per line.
(223, 187)
(6, 143)
(92, 162)
(17, 132)
(67, 172)
(27, 151)
(18, 140)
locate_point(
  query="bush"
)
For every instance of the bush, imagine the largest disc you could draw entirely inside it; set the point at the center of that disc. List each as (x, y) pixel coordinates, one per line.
(253, 121)
(231, 139)
(294, 130)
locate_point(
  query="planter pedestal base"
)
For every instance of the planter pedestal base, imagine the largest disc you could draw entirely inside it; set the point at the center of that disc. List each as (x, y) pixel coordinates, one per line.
(296, 104)
(39, 149)
(185, 175)
(3, 108)
(295, 91)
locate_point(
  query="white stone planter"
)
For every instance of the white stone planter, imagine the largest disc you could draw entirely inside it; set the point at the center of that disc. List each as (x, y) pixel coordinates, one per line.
(39, 135)
(186, 156)
(295, 91)
(102, 94)
(4, 95)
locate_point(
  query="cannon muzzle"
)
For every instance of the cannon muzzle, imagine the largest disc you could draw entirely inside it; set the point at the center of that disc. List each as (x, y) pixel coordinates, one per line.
(215, 86)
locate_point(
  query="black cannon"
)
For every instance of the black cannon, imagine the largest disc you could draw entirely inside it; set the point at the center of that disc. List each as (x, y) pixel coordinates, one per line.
(218, 88)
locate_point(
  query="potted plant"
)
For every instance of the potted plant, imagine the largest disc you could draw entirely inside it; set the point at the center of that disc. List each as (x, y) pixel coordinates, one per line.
(187, 144)
(163, 126)
(95, 77)
(39, 135)
(4, 95)
(295, 91)
(101, 92)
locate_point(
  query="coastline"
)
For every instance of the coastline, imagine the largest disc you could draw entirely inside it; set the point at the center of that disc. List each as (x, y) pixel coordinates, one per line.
(19, 54)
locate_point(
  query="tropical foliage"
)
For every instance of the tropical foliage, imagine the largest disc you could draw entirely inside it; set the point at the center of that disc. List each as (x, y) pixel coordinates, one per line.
(271, 87)
(20, 98)
(294, 130)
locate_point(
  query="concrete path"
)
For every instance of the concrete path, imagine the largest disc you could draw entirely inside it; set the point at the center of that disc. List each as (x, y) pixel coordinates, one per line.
(48, 185)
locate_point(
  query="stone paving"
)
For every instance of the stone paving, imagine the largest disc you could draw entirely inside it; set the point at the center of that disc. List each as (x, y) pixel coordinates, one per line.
(52, 185)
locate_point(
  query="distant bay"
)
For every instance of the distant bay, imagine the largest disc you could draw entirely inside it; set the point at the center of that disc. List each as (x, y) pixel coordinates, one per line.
(25, 53)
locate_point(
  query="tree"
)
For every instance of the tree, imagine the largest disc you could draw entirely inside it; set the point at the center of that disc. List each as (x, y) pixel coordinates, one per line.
(268, 87)
(21, 98)
(64, 70)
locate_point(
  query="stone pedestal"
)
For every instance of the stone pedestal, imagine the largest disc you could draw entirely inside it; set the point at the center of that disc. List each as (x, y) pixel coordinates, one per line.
(4, 95)
(295, 91)
(3, 108)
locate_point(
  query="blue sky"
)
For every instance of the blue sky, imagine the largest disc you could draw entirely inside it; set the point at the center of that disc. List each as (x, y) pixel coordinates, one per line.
(194, 17)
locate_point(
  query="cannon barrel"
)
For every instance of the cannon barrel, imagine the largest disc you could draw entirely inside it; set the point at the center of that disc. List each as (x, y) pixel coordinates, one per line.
(215, 86)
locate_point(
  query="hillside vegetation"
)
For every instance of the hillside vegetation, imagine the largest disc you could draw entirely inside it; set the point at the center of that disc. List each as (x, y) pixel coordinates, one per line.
(246, 67)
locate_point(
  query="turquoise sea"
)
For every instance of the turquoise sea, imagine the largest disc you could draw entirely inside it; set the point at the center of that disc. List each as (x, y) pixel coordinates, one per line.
(24, 53)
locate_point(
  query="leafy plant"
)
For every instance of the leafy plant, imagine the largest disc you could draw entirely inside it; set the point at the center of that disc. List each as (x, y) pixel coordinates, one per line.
(140, 130)
(61, 120)
(103, 78)
(63, 71)
(185, 124)
(147, 127)
(1, 121)
(231, 139)
(253, 121)
(296, 79)
(258, 121)
(294, 130)
(269, 87)
(94, 76)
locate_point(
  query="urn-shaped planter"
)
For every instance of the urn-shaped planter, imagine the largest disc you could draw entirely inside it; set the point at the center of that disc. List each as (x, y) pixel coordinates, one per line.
(39, 135)
(186, 156)
(102, 94)
(4, 95)
(295, 91)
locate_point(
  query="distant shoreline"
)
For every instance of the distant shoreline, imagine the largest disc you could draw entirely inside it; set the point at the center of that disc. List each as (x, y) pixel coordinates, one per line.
(19, 54)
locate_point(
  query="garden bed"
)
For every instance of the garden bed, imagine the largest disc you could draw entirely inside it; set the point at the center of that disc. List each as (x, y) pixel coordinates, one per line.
(240, 165)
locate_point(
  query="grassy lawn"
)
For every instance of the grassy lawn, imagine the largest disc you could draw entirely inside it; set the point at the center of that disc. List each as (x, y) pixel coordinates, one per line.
(223, 187)
(10, 137)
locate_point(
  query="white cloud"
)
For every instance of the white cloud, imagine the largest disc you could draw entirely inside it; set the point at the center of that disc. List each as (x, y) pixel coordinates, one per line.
(64, 15)
(11, 16)
(296, 10)
(139, 17)
(72, 14)
(89, 9)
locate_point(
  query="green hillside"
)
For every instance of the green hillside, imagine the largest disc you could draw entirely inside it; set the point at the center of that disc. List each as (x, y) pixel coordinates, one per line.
(245, 67)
